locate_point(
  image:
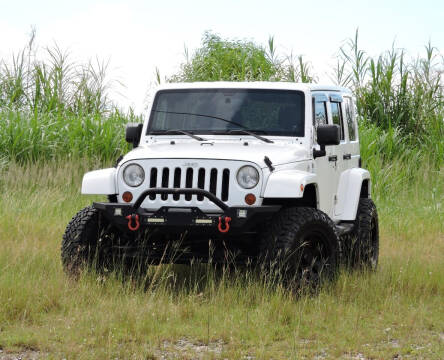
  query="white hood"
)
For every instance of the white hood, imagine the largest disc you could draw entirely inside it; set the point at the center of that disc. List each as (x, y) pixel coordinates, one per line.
(279, 152)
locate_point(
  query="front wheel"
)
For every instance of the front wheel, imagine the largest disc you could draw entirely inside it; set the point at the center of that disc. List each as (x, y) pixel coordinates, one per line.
(302, 243)
(85, 242)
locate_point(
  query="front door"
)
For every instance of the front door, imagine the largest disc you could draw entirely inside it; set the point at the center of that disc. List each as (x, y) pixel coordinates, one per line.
(327, 167)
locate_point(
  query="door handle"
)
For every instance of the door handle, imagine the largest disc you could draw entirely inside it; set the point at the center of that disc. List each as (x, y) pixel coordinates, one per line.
(347, 156)
(333, 158)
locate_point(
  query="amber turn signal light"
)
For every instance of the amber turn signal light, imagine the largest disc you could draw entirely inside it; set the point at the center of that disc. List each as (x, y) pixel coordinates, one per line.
(250, 199)
(127, 196)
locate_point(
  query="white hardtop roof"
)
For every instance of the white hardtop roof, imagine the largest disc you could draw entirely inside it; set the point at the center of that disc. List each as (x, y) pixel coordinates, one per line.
(276, 85)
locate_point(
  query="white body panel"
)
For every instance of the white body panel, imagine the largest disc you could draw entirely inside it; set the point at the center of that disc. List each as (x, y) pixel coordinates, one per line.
(287, 184)
(100, 182)
(282, 151)
(327, 176)
(349, 191)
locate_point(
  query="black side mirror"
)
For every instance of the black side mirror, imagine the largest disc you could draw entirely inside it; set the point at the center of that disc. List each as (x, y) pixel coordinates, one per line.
(327, 135)
(133, 133)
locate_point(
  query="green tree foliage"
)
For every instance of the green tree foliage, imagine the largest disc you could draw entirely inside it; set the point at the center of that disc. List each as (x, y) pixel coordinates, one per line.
(220, 59)
(226, 60)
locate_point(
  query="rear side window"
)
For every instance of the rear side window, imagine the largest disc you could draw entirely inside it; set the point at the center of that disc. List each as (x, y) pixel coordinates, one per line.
(336, 115)
(350, 118)
(320, 113)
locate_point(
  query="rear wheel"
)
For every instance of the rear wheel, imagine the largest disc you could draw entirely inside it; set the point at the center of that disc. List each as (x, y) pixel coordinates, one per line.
(302, 245)
(364, 245)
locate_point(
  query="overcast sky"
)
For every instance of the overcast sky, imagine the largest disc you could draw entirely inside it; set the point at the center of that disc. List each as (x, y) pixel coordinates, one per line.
(136, 36)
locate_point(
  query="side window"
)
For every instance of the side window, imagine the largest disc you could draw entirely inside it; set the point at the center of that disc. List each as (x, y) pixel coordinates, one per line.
(350, 118)
(336, 115)
(319, 112)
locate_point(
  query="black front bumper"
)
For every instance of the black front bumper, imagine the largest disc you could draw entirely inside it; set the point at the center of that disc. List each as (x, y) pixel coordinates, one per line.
(134, 218)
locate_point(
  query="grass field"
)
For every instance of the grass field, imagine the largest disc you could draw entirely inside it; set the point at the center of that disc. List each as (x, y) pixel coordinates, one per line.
(180, 312)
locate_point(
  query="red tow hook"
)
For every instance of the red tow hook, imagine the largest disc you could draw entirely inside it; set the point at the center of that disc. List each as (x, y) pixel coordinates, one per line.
(131, 218)
(227, 220)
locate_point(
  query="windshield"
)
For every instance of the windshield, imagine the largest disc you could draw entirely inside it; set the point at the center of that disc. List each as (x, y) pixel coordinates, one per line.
(209, 111)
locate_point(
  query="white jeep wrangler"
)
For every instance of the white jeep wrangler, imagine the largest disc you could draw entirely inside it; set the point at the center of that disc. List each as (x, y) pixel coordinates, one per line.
(261, 171)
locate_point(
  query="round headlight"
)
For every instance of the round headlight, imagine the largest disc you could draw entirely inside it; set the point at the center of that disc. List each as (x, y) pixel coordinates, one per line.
(247, 177)
(133, 175)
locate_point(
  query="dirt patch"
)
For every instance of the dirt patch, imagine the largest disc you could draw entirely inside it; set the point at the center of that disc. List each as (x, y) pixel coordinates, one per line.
(22, 355)
(195, 350)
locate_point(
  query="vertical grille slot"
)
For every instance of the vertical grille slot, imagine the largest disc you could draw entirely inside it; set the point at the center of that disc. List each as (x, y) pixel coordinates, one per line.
(176, 182)
(201, 182)
(225, 184)
(189, 182)
(165, 176)
(153, 181)
(213, 181)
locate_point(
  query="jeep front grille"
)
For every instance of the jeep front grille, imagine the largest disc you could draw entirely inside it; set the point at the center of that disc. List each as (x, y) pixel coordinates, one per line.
(215, 176)
(216, 181)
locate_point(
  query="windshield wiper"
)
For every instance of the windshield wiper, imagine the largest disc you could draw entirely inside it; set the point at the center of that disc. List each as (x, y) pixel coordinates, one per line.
(177, 131)
(243, 131)
(203, 115)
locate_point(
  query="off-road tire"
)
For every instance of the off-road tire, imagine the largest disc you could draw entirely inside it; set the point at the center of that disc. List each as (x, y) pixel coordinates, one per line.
(85, 242)
(363, 249)
(302, 244)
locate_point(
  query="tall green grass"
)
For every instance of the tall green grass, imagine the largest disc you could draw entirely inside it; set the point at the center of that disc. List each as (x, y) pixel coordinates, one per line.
(51, 83)
(51, 107)
(404, 98)
(26, 137)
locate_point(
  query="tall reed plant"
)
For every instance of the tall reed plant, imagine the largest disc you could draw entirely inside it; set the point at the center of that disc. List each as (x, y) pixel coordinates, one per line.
(52, 83)
(397, 94)
(51, 107)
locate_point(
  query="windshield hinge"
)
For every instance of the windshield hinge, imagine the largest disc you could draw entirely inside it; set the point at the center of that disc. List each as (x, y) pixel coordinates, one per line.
(268, 162)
